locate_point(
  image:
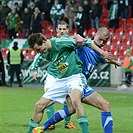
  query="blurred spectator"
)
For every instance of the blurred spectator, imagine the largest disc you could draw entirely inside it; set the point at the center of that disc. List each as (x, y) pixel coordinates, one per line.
(38, 3)
(3, 14)
(56, 13)
(47, 7)
(26, 19)
(63, 2)
(2, 70)
(109, 3)
(79, 21)
(131, 8)
(13, 23)
(25, 4)
(36, 21)
(96, 14)
(15, 59)
(18, 9)
(128, 66)
(113, 15)
(86, 15)
(124, 8)
(12, 2)
(71, 11)
(31, 7)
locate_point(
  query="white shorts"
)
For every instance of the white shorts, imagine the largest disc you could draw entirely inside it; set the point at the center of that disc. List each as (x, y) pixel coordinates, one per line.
(60, 88)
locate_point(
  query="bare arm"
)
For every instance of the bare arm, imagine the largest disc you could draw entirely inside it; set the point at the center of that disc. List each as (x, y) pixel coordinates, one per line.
(115, 62)
(80, 43)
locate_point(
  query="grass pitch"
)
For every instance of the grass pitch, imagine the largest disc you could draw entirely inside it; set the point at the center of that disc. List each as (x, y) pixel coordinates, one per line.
(16, 108)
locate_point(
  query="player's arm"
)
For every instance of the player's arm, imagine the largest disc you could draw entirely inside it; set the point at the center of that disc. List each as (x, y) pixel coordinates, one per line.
(115, 62)
(88, 42)
(38, 58)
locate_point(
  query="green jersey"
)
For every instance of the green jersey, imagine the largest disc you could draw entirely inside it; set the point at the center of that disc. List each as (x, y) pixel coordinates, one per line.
(64, 61)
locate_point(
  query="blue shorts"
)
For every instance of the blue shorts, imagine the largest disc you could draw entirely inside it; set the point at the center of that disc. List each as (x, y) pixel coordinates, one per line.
(87, 91)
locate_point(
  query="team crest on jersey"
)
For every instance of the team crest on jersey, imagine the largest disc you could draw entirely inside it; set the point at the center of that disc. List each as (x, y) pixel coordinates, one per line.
(62, 67)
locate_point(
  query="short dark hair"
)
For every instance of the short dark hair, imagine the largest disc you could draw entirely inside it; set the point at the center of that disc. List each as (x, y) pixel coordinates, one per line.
(15, 43)
(36, 38)
(63, 23)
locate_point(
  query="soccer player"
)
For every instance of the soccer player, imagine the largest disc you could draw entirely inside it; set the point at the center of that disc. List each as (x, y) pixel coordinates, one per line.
(64, 74)
(91, 97)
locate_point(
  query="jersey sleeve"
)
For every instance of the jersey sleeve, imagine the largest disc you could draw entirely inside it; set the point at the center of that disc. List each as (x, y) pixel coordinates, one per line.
(38, 58)
(87, 42)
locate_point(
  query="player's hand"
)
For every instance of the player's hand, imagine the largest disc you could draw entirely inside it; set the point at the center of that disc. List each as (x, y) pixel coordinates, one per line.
(107, 55)
(118, 64)
(34, 75)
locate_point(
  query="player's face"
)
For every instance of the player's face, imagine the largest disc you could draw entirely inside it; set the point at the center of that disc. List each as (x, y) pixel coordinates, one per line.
(100, 40)
(62, 30)
(41, 48)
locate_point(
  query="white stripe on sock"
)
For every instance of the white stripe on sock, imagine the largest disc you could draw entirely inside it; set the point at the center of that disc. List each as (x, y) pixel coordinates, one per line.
(109, 118)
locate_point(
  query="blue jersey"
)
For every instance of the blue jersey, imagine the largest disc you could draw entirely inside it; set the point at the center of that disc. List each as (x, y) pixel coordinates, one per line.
(90, 59)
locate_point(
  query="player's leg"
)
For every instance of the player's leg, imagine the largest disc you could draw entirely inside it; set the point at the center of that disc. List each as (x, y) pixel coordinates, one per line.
(99, 102)
(50, 113)
(77, 84)
(67, 123)
(50, 80)
(38, 113)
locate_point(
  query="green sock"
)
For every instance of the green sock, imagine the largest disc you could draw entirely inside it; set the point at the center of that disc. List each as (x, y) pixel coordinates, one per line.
(50, 111)
(83, 122)
(32, 125)
(67, 119)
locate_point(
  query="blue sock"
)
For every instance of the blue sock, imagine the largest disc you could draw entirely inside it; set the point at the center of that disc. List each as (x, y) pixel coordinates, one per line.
(58, 116)
(107, 122)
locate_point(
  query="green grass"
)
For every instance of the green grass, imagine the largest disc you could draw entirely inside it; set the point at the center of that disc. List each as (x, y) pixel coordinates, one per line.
(17, 107)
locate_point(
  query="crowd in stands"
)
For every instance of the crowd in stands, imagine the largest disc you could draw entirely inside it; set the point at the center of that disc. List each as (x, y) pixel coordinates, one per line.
(19, 19)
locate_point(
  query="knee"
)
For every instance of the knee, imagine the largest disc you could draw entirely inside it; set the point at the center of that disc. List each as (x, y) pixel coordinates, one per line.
(71, 110)
(39, 107)
(106, 106)
(76, 102)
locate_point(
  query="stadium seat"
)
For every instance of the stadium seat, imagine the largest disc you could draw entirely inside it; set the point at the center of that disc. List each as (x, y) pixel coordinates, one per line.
(31, 52)
(28, 57)
(111, 33)
(116, 41)
(119, 31)
(130, 22)
(106, 48)
(54, 33)
(122, 23)
(44, 24)
(24, 51)
(126, 41)
(122, 50)
(129, 33)
(48, 33)
(4, 53)
(91, 33)
(121, 57)
(72, 32)
(105, 14)
(103, 23)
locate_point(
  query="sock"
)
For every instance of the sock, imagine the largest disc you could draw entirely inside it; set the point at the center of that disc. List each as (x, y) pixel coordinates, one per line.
(83, 122)
(50, 111)
(32, 125)
(67, 118)
(107, 122)
(58, 116)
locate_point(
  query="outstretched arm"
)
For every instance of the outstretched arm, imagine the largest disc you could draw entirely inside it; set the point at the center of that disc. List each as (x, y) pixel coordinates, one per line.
(88, 42)
(115, 62)
(35, 64)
